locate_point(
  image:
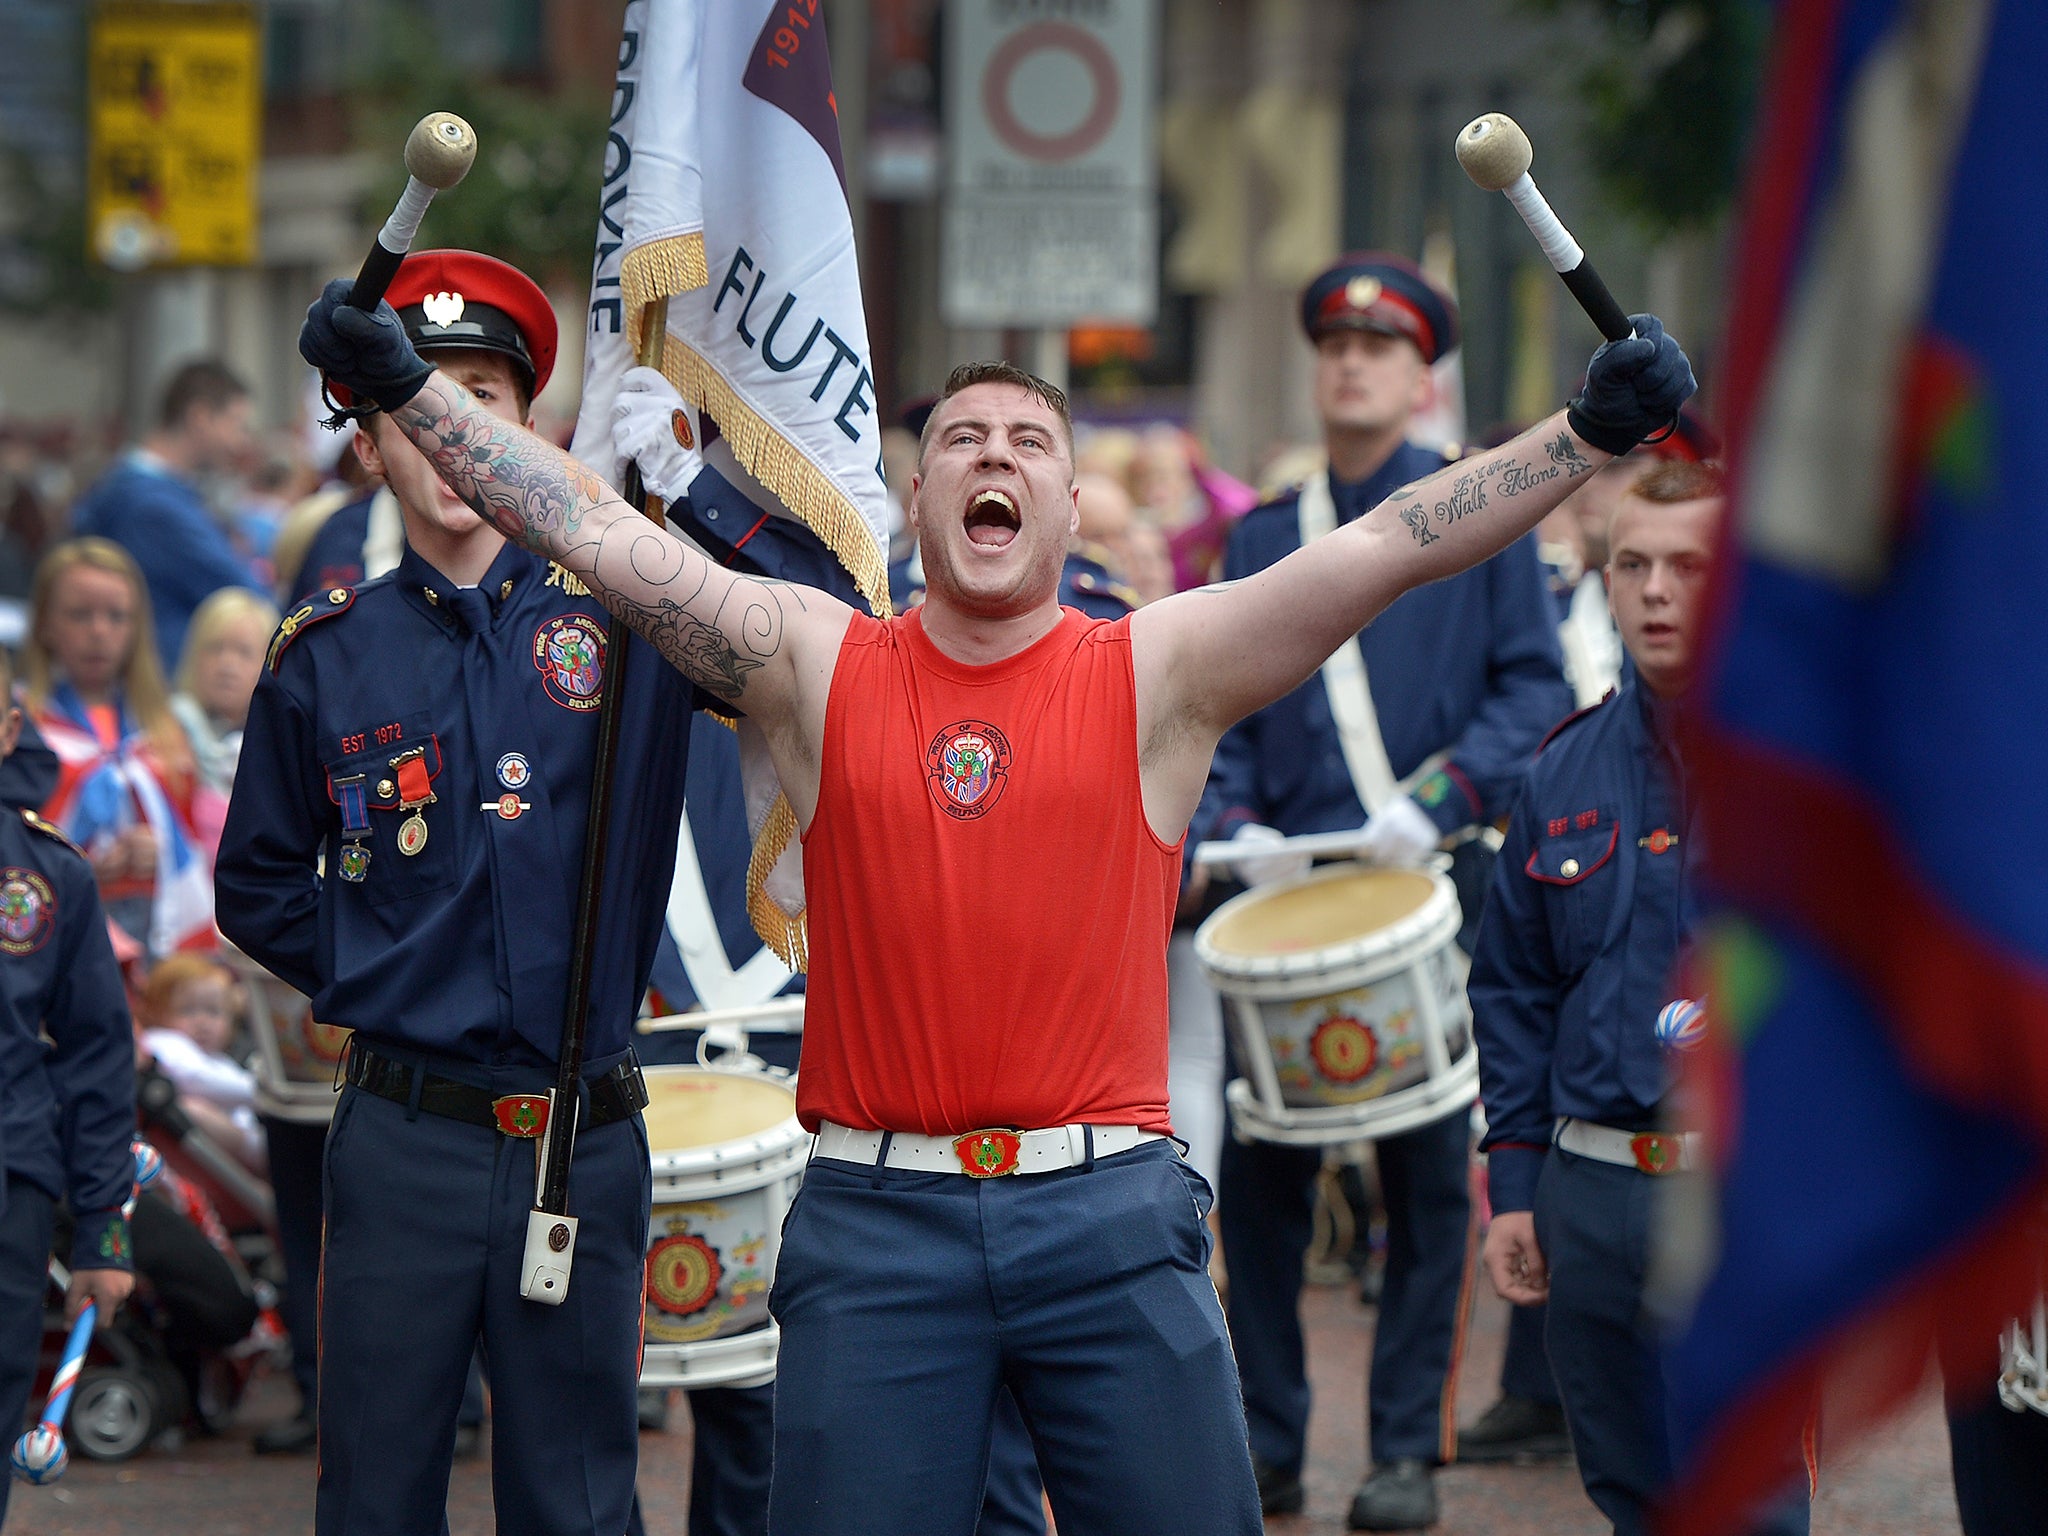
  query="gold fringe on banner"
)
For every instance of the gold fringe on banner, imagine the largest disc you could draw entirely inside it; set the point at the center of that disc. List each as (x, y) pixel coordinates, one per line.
(789, 937)
(770, 458)
(648, 274)
(674, 264)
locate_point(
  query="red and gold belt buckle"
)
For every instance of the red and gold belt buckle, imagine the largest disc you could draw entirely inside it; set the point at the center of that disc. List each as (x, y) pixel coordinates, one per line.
(1655, 1153)
(988, 1154)
(524, 1115)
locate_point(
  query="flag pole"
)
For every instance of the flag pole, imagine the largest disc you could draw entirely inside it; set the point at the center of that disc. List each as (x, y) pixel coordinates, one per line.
(550, 1229)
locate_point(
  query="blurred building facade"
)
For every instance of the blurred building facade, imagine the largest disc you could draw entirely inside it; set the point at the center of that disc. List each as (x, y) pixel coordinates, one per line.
(1289, 131)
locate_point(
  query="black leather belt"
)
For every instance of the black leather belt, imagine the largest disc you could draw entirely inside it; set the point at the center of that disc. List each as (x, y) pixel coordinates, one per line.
(618, 1095)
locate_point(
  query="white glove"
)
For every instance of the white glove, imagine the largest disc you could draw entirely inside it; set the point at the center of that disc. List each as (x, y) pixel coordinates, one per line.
(1400, 833)
(651, 427)
(1265, 868)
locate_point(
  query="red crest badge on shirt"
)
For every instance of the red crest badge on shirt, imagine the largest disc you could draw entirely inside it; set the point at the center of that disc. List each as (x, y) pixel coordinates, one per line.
(967, 766)
(28, 911)
(569, 653)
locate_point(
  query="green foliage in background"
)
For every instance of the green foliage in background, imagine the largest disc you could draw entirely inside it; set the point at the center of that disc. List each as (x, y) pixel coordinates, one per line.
(1670, 102)
(40, 271)
(531, 198)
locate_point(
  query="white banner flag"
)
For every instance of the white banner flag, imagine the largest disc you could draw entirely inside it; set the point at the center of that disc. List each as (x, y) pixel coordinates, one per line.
(724, 193)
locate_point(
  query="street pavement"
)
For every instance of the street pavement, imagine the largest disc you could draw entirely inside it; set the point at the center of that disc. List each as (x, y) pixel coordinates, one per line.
(1896, 1484)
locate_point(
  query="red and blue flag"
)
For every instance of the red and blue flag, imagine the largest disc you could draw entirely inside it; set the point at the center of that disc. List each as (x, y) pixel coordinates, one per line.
(1872, 746)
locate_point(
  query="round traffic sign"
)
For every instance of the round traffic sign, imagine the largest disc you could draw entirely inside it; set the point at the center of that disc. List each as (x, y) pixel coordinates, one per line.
(999, 77)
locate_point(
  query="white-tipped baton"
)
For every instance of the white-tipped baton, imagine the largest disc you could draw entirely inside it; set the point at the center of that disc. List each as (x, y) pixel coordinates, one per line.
(438, 153)
(39, 1455)
(1497, 155)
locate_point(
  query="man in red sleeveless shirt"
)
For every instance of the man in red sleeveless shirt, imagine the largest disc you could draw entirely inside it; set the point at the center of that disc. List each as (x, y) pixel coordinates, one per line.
(993, 792)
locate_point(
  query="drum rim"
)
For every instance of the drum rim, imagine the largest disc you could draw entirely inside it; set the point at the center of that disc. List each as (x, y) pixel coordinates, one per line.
(765, 1145)
(1393, 947)
(1334, 1124)
(724, 1167)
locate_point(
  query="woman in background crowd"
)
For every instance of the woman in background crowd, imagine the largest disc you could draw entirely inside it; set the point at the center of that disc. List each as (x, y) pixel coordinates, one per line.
(224, 650)
(93, 685)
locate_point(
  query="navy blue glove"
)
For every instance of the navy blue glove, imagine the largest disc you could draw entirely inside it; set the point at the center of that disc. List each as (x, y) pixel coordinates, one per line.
(1633, 388)
(369, 353)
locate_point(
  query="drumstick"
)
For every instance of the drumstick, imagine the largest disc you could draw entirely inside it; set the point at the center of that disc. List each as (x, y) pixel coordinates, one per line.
(1314, 844)
(772, 1018)
(1497, 155)
(438, 154)
(39, 1455)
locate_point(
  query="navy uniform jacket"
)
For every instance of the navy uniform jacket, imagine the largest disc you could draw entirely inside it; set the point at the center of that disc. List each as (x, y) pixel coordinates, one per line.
(1086, 583)
(28, 774)
(334, 558)
(67, 1048)
(1580, 938)
(1468, 666)
(463, 949)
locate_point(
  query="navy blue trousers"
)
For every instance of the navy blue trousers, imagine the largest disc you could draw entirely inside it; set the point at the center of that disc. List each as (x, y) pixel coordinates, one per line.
(732, 1449)
(1268, 1205)
(1593, 1225)
(906, 1300)
(426, 1230)
(24, 1281)
(1524, 1366)
(734, 1443)
(2000, 1459)
(296, 1153)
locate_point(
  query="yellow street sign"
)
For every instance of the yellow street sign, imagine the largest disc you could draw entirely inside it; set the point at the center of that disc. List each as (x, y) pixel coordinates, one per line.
(176, 93)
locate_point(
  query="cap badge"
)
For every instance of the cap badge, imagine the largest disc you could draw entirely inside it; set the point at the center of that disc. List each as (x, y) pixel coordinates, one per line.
(442, 308)
(1362, 292)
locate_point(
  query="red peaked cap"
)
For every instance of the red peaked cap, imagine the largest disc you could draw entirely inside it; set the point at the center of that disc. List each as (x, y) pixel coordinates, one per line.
(501, 309)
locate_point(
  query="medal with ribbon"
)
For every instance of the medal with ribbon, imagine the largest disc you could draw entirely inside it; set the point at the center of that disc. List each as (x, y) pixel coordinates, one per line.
(415, 790)
(353, 798)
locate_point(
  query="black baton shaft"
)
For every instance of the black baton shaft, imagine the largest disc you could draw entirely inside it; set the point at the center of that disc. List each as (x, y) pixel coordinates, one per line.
(558, 1142)
(379, 267)
(1587, 287)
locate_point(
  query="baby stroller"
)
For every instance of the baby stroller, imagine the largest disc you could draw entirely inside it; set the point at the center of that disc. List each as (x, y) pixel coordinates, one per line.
(196, 1330)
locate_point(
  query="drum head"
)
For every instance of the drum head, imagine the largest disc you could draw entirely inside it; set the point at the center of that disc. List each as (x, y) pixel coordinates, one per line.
(696, 1107)
(1318, 913)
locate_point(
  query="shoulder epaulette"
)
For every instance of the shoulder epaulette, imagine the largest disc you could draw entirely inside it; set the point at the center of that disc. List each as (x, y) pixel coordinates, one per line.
(336, 600)
(1572, 719)
(50, 830)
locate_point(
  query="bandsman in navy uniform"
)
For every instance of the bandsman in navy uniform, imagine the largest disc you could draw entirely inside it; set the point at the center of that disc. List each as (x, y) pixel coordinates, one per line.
(1575, 1011)
(67, 1087)
(1464, 678)
(404, 846)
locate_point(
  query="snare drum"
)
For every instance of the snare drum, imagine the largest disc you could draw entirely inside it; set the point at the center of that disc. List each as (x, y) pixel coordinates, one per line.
(296, 1058)
(728, 1155)
(1346, 1001)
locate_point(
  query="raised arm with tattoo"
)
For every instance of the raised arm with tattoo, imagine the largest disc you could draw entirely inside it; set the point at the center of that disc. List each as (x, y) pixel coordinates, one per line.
(1208, 658)
(736, 636)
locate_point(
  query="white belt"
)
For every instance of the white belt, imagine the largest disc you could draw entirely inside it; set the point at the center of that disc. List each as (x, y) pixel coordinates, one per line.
(1648, 1151)
(981, 1154)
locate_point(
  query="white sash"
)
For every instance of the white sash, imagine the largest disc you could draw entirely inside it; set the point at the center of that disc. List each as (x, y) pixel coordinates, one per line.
(384, 539)
(1344, 679)
(694, 927)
